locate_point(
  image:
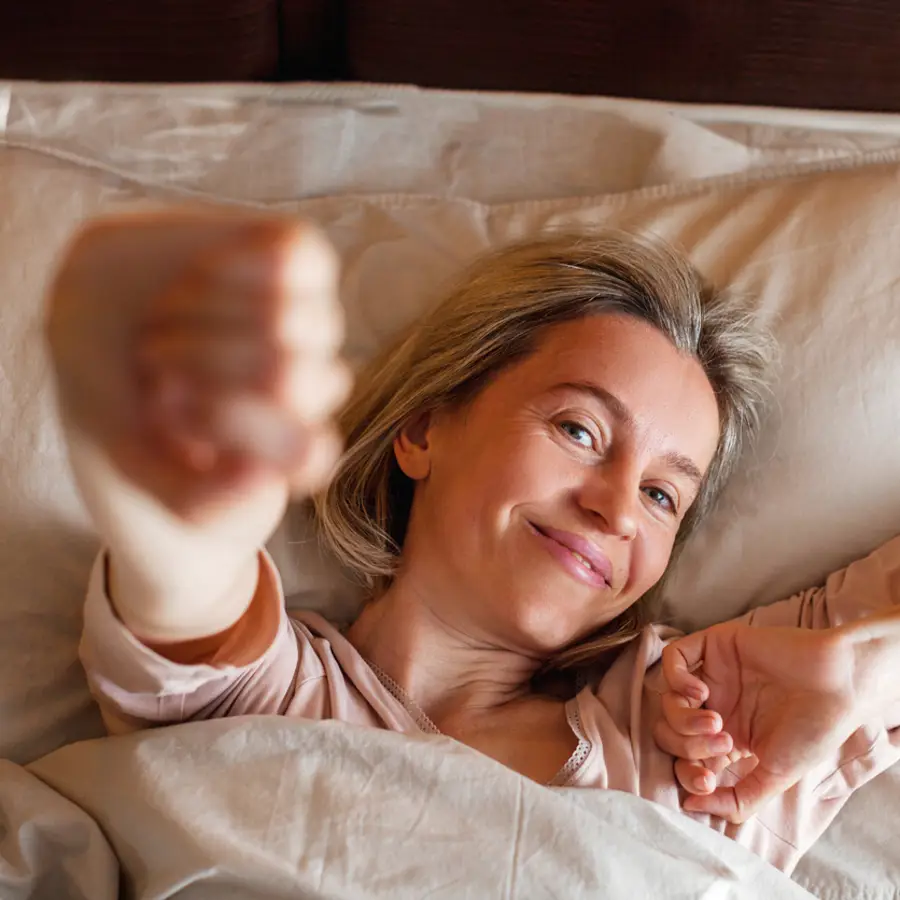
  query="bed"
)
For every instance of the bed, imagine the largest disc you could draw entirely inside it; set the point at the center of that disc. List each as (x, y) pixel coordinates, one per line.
(798, 209)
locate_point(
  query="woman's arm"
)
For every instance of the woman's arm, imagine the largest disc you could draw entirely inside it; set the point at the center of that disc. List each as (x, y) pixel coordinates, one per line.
(874, 646)
(868, 586)
(792, 683)
(196, 365)
(254, 667)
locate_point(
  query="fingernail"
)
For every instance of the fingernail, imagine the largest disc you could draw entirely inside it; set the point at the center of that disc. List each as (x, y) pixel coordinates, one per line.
(721, 743)
(701, 782)
(705, 722)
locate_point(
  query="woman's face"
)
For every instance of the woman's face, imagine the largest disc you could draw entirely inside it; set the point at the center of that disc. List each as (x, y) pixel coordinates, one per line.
(595, 443)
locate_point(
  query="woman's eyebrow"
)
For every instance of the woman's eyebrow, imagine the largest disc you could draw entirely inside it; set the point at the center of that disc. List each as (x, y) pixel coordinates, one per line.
(618, 409)
(673, 459)
(685, 465)
(609, 400)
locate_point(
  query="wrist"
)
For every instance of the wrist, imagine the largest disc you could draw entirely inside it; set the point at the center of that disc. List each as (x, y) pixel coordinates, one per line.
(204, 601)
(874, 651)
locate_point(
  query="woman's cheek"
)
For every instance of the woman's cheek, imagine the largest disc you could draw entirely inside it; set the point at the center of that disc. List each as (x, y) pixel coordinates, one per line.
(661, 554)
(648, 562)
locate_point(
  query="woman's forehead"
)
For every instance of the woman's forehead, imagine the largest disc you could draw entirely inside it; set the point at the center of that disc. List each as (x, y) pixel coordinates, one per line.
(630, 369)
(614, 347)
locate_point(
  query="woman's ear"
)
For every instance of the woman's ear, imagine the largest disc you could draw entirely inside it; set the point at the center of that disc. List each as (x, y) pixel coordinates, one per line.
(412, 449)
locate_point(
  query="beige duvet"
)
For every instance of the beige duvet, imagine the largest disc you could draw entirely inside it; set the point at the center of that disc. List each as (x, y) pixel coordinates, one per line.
(265, 807)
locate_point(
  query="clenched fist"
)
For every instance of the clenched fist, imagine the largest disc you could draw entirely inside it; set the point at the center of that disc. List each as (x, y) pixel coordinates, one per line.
(197, 364)
(201, 351)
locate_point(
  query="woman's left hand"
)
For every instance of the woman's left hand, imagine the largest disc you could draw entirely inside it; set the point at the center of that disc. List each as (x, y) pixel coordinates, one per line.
(784, 697)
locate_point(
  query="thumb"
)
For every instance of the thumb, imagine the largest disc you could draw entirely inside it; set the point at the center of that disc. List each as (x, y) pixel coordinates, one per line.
(739, 803)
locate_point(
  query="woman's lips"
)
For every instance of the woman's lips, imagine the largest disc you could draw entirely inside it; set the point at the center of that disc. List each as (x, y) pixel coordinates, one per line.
(594, 568)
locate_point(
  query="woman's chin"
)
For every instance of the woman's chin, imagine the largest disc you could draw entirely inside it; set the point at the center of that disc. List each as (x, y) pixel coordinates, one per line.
(545, 626)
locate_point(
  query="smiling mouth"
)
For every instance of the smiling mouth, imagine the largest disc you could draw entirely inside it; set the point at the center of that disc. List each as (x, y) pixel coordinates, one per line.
(582, 560)
(584, 563)
(574, 553)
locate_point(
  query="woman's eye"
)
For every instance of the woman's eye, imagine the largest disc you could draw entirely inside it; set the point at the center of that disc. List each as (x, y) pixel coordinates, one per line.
(578, 433)
(660, 498)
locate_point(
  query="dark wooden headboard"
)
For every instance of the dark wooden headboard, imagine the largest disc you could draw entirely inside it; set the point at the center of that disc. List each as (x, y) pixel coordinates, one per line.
(837, 54)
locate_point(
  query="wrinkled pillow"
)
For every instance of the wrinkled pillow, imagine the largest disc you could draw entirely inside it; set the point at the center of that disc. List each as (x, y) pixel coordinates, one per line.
(817, 253)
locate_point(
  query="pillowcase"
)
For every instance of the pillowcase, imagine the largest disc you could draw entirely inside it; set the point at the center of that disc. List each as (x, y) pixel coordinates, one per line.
(816, 252)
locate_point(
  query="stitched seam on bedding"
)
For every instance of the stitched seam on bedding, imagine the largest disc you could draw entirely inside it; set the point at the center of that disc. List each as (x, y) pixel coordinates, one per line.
(671, 190)
(823, 891)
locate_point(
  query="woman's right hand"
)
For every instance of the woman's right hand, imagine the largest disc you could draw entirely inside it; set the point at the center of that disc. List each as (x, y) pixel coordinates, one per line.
(197, 369)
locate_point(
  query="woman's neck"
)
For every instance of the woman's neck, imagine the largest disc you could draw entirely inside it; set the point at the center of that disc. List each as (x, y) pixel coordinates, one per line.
(450, 674)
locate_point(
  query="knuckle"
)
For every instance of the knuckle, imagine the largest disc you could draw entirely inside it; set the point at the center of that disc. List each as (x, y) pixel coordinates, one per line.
(312, 248)
(696, 748)
(305, 324)
(301, 255)
(312, 389)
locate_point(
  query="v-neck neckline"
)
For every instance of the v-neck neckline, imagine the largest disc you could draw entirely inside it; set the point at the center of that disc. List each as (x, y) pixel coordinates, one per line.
(424, 725)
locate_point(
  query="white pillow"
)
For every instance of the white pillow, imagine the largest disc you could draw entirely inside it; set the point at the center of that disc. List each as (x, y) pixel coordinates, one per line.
(816, 249)
(817, 252)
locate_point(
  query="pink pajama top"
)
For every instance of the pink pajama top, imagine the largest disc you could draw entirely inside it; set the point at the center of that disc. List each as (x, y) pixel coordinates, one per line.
(310, 670)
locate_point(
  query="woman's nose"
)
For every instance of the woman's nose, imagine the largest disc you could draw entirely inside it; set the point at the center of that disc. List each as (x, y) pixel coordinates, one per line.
(614, 497)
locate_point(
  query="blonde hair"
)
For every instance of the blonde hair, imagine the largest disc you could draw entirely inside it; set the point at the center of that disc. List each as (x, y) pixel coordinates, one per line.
(494, 318)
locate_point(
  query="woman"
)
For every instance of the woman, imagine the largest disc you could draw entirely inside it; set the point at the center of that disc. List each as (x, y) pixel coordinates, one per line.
(519, 471)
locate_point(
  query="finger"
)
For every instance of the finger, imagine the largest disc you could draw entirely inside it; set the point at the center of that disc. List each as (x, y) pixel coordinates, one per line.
(197, 390)
(679, 659)
(694, 777)
(740, 763)
(298, 324)
(317, 467)
(180, 445)
(259, 429)
(196, 426)
(227, 358)
(737, 804)
(687, 719)
(691, 747)
(718, 764)
(274, 273)
(311, 386)
(311, 391)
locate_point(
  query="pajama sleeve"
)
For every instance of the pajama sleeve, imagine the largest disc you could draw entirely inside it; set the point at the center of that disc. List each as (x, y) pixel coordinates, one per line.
(138, 688)
(788, 825)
